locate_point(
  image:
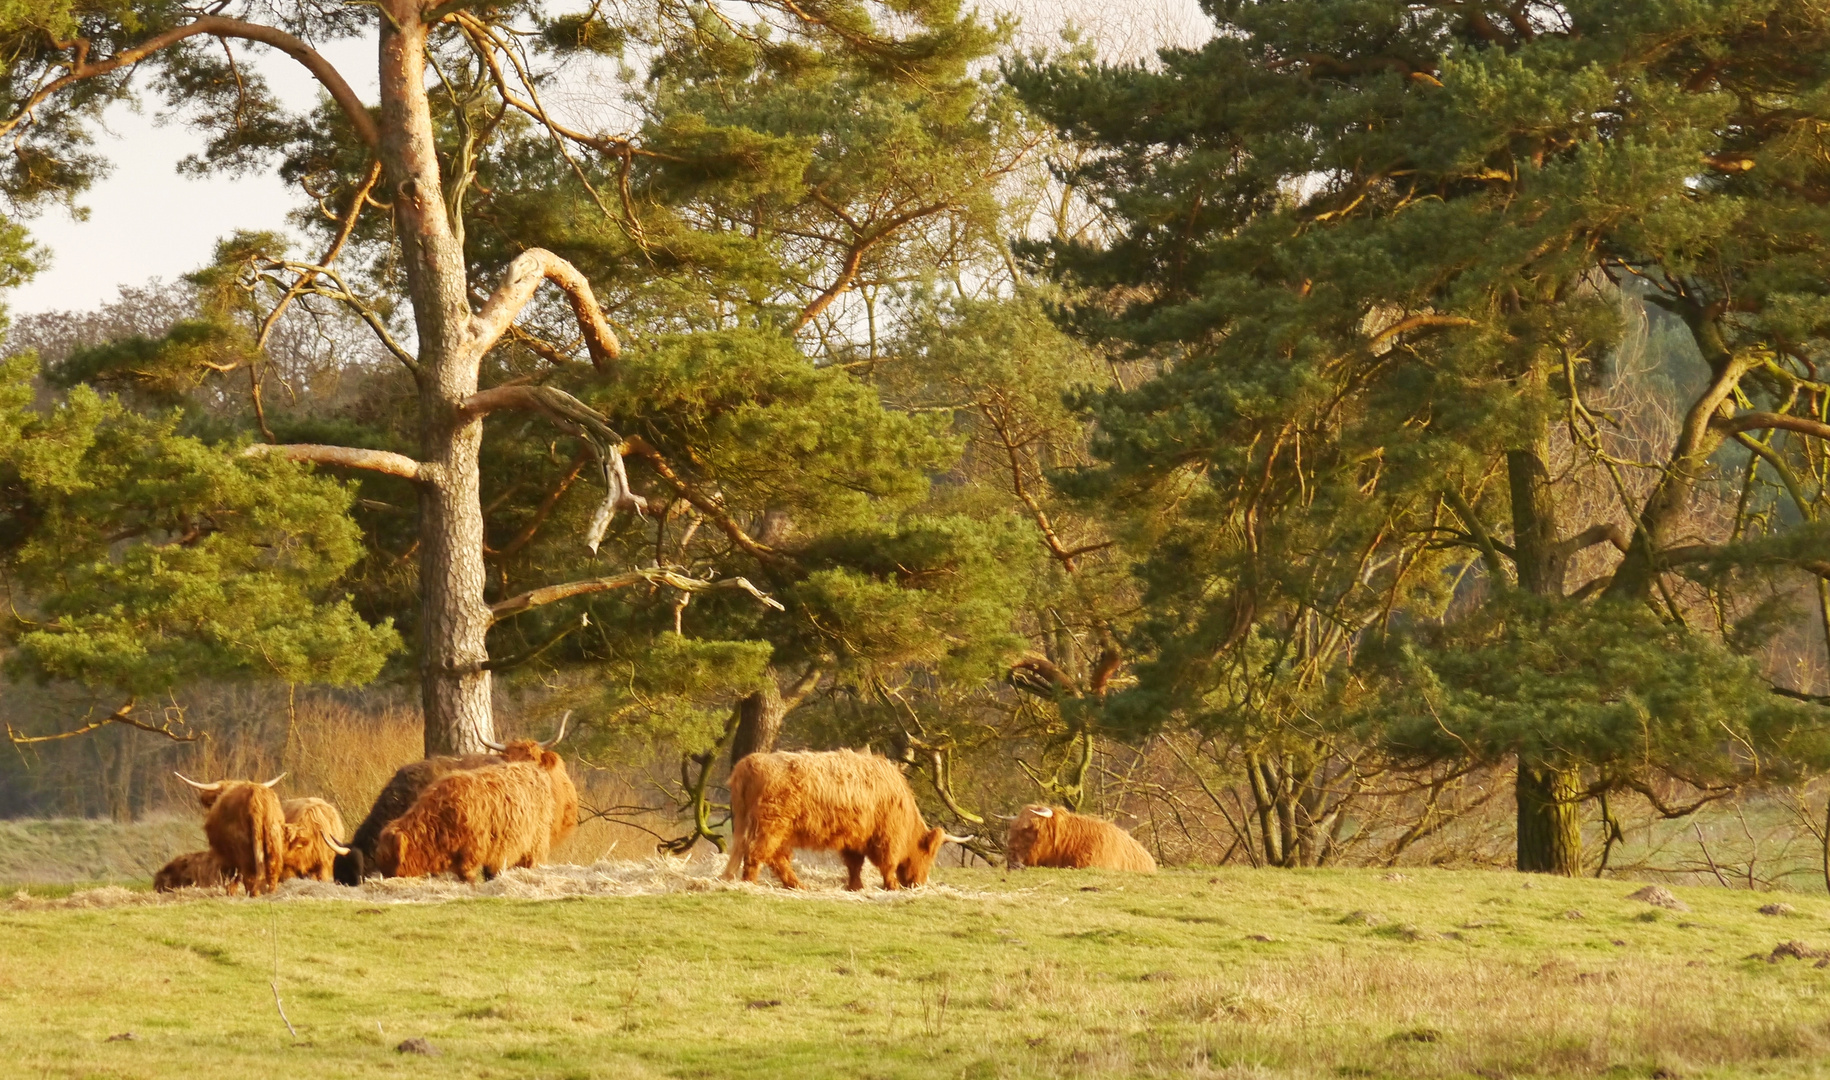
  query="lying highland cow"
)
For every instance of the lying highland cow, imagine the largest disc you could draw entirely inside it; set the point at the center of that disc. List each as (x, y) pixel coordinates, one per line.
(476, 823)
(856, 804)
(192, 870)
(405, 788)
(1053, 836)
(246, 828)
(312, 828)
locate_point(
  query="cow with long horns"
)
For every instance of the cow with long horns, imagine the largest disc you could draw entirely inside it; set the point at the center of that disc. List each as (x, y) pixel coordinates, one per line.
(565, 794)
(246, 827)
(311, 830)
(858, 804)
(477, 823)
(404, 788)
(1054, 836)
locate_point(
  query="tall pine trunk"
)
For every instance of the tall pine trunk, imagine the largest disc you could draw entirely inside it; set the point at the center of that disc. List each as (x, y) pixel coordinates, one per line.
(454, 618)
(1549, 831)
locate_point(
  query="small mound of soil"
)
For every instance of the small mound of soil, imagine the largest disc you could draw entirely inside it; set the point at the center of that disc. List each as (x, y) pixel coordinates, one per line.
(1793, 950)
(1659, 896)
(1777, 909)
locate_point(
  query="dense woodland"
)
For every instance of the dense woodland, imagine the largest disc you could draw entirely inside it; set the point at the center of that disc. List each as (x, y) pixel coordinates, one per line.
(1390, 430)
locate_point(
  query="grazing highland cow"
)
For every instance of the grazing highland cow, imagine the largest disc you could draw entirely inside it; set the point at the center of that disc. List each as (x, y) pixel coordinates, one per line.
(405, 788)
(565, 794)
(476, 823)
(247, 829)
(192, 870)
(1052, 836)
(857, 804)
(312, 828)
(401, 792)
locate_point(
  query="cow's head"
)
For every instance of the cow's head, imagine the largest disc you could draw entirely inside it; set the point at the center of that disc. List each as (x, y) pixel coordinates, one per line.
(390, 852)
(540, 753)
(351, 868)
(1025, 829)
(914, 869)
(300, 839)
(207, 794)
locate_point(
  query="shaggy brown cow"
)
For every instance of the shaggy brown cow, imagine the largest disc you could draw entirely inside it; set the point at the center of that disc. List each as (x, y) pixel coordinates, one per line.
(565, 794)
(1054, 836)
(476, 823)
(312, 828)
(246, 827)
(192, 870)
(857, 804)
(404, 789)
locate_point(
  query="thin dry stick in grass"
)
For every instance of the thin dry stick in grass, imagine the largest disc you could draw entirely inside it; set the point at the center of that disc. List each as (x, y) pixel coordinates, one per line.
(274, 983)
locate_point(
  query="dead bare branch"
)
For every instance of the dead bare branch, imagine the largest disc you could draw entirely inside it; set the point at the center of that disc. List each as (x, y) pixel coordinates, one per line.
(655, 575)
(381, 461)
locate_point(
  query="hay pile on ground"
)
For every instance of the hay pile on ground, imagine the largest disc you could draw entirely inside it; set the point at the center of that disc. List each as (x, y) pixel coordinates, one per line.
(655, 876)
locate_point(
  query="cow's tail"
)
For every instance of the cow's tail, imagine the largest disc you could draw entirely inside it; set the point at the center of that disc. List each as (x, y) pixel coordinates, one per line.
(741, 821)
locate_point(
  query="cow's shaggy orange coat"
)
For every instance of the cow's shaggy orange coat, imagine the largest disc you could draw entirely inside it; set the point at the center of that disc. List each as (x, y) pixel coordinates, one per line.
(1054, 836)
(476, 823)
(193, 869)
(246, 827)
(857, 804)
(312, 826)
(565, 794)
(408, 783)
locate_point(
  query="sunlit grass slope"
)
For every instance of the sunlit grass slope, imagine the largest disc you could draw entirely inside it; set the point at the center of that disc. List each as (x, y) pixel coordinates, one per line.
(1033, 974)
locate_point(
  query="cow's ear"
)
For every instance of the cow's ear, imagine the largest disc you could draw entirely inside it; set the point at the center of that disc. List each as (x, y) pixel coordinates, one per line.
(932, 842)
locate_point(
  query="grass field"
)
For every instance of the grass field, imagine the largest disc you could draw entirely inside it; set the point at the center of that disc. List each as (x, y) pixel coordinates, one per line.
(70, 851)
(992, 974)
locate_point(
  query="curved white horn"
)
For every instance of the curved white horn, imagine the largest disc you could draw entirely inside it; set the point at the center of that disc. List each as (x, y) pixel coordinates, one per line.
(1042, 811)
(275, 780)
(558, 735)
(492, 744)
(967, 839)
(217, 786)
(1006, 817)
(336, 847)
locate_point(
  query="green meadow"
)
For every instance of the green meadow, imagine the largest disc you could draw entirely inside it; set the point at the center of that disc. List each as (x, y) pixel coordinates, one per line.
(992, 974)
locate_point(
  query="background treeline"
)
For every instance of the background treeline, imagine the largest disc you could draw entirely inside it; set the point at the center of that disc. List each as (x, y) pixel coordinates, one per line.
(1386, 433)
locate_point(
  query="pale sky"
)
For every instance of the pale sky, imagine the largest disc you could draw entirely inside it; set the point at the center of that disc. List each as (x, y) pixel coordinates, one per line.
(146, 220)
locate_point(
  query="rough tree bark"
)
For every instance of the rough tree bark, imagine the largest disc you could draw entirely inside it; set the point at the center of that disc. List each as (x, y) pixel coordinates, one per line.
(454, 619)
(1548, 792)
(455, 681)
(759, 715)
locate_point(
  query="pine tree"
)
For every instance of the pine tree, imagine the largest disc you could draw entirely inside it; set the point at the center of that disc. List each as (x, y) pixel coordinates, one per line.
(1380, 251)
(779, 167)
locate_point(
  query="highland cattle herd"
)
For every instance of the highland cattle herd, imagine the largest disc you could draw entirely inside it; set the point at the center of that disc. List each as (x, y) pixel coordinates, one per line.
(477, 815)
